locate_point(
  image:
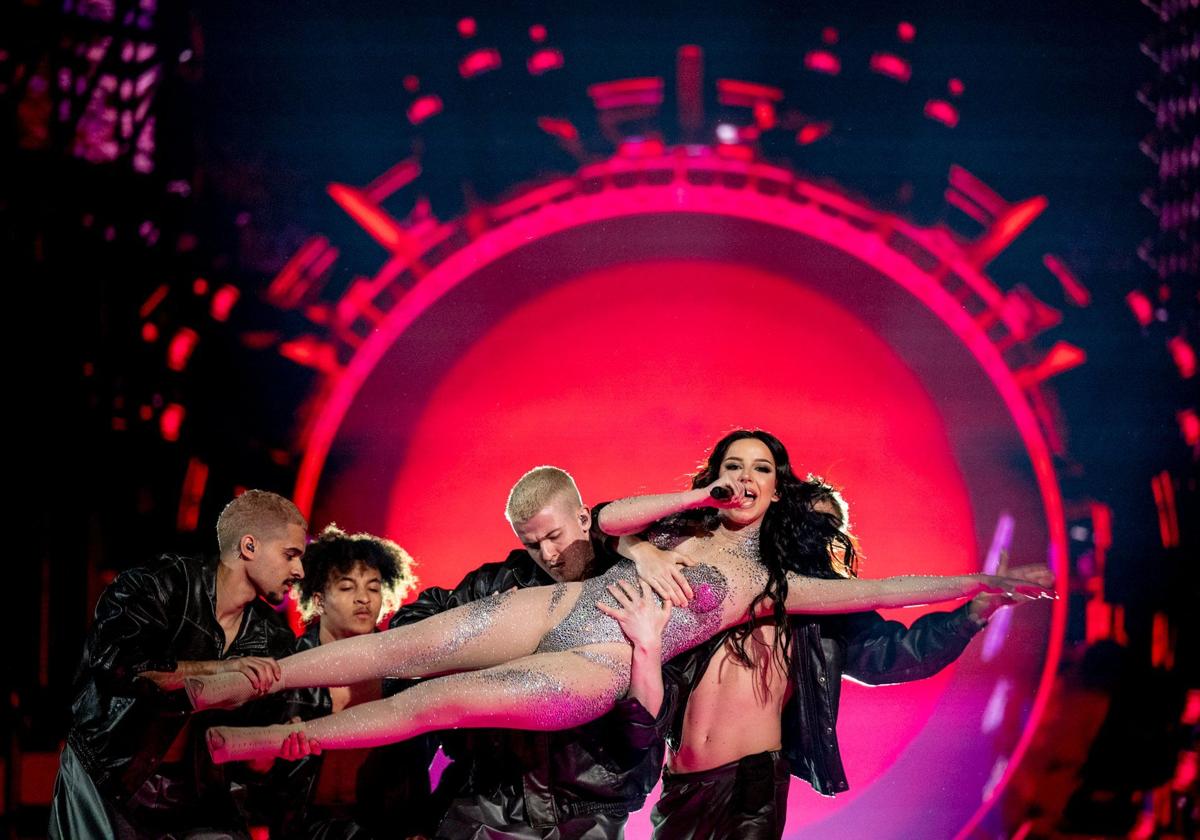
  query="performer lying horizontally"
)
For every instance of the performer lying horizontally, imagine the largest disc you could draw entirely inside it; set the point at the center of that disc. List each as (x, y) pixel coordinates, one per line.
(549, 658)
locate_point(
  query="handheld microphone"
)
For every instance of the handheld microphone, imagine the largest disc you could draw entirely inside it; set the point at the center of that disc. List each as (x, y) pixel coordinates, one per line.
(720, 493)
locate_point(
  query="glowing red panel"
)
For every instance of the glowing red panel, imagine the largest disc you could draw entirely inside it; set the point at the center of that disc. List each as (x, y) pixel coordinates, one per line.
(823, 62)
(149, 332)
(813, 132)
(640, 148)
(179, 351)
(543, 61)
(887, 64)
(1141, 307)
(764, 115)
(689, 88)
(171, 421)
(1062, 357)
(1186, 771)
(537, 33)
(956, 87)
(152, 302)
(396, 178)
(480, 61)
(311, 352)
(190, 498)
(223, 302)
(748, 94)
(1184, 356)
(424, 108)
(1189, 426)
(625, 92)
(374, 219)
(1075, 291)
(562, 129)
(467, 27)
(942, 111)
(905, 31)
(1191, 708)
(1168, 517)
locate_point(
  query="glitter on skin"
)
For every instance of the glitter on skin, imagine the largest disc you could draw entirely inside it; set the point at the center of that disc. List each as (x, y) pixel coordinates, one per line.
(556, 701)
(586, 625)
(560, 589)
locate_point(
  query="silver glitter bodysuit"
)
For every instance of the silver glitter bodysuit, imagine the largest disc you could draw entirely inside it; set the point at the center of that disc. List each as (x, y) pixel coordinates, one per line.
(687, 626)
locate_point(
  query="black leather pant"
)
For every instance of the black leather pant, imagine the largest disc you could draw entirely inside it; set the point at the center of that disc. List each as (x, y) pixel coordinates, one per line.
(502, 815)
(745, 799)
(164, 808)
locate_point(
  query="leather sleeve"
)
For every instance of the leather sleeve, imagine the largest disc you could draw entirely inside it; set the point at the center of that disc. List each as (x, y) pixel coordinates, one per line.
(880, 652)
(634, 723)
(132, 631)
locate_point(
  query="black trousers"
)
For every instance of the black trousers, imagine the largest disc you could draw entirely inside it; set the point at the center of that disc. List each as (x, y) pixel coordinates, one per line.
(745, 799)
(163, 809)
(502, 815)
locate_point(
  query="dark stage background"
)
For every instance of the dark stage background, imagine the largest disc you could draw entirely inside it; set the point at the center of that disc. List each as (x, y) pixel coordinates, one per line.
(384, 257)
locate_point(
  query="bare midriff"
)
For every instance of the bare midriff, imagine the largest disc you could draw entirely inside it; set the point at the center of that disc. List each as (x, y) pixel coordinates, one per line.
(735, 709)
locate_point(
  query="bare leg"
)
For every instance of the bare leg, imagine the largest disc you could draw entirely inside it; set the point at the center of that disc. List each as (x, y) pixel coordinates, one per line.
(542, 692)
(481, 634)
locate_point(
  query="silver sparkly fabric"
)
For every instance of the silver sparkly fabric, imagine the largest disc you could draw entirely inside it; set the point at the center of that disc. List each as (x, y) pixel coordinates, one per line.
(555, 704)
(479, 617)
(687, 627)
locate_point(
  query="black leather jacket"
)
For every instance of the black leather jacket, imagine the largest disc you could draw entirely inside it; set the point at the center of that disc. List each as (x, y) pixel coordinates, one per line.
(149, 619)
(607, 766)
(860, 645)
(391, 789)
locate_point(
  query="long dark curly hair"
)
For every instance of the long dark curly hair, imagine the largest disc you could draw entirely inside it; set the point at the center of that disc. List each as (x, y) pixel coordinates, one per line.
(793, 537)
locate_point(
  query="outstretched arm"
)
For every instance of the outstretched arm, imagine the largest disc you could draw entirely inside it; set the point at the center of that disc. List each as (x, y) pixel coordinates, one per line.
(636, 513)
(818, 595)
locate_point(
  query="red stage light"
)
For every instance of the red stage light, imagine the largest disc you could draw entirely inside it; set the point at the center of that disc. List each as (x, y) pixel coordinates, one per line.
(467, 27)
(192, 495)
(223, 301)
(149, 332)
(171, 421)
(1141, 307)
(943, 112)
(905, 31)
(412, 83)
(1075, 291)
(424, 108)
(956, 87)
(478, 62)
(181, 347)
(626, 92)
(543, 61)
(1168, 516)
(1189, 426)
(199, 286)
(894, 66)
(823, 62)
(563, 129)
(374, 219)
(537, 33)
(829, 35)
(1184, 356)
(813, 132)
(156, 297)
